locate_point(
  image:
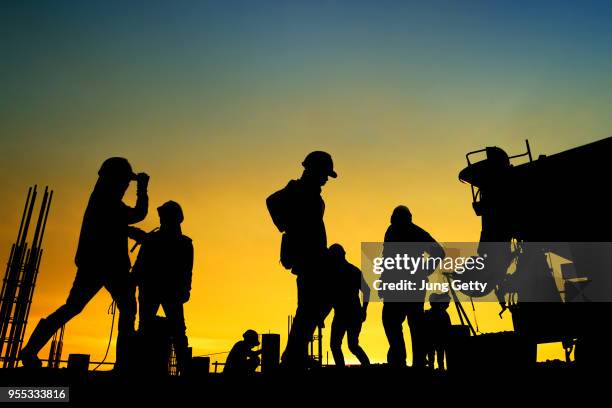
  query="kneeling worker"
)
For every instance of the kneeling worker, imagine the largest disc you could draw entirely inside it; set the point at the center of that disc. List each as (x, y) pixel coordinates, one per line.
(242, 359)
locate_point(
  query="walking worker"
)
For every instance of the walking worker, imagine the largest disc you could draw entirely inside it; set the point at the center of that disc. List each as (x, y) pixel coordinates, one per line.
(297, 211)
(102, 258)
(349, 312)
(403, 237)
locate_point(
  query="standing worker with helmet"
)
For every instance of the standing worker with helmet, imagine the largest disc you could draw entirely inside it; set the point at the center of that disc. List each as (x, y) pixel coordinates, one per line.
(297, 211)
(163, 274)
(102, 258)
(403, 237)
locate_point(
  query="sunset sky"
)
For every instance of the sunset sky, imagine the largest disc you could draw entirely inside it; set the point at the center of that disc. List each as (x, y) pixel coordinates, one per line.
(220, 101)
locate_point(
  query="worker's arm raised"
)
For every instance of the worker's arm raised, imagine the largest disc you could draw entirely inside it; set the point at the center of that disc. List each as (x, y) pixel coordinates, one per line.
(139, 211)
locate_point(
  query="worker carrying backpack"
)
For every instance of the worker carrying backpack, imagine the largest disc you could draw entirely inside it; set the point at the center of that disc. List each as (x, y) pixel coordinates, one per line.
(279, 206)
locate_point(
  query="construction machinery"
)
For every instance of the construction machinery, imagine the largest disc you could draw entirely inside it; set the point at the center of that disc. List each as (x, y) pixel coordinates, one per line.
(557, 206)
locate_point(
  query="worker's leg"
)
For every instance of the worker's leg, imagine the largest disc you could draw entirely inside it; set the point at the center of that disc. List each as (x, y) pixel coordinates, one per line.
(338, 329)
(85, 286)
(123, 293)
(393, 316)
(430, 358)
(440, 354)
(428, 341)
(148, 305)
(176, 318)
(302, 331)
(353, 342)
(415, 314)
(305, 321)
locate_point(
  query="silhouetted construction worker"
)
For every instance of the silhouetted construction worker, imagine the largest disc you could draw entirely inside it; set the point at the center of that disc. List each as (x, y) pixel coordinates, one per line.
(438, 327)
(102, 257)
(297, 211)
(242, 359)
(163, 273)
(401, 306)
(349, 313)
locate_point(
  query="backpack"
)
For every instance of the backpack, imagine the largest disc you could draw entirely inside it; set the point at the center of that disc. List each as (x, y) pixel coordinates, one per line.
(279, 206)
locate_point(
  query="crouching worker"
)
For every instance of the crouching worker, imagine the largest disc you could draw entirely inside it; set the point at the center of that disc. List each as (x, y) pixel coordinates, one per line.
(438, 326)
(163, 274)
(349, 313)
(242, 359)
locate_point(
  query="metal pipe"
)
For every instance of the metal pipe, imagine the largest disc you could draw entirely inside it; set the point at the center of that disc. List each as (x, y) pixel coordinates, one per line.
(41, 215)
(23, 214)
(22, 307)
(29, 301)
(44, 227)
(528, 150)
(28, 218)
(9, 304)
(4, 283)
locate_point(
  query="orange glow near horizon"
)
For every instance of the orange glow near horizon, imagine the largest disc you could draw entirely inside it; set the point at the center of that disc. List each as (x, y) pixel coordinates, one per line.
(237, 281)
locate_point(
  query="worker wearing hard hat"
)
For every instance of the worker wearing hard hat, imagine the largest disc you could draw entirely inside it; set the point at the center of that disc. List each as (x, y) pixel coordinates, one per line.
(242, 359)
(163, 273)
(297, 211)
(405, 237)
(102, 257)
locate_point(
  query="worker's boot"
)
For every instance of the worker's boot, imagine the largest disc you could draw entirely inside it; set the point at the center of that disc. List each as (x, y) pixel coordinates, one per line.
(123, 355)
(40, 336)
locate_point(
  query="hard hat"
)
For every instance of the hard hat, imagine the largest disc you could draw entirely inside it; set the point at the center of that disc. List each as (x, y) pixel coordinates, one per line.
(337, 251)
(321, 161)
(401, 213)
(171, 209)
(118, 168)
(251, 336)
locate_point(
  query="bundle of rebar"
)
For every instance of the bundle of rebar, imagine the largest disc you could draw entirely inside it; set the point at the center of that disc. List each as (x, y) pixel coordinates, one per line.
(20, 278)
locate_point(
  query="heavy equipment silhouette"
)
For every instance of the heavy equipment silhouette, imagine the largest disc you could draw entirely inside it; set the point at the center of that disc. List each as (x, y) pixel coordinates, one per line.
(557, 206)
